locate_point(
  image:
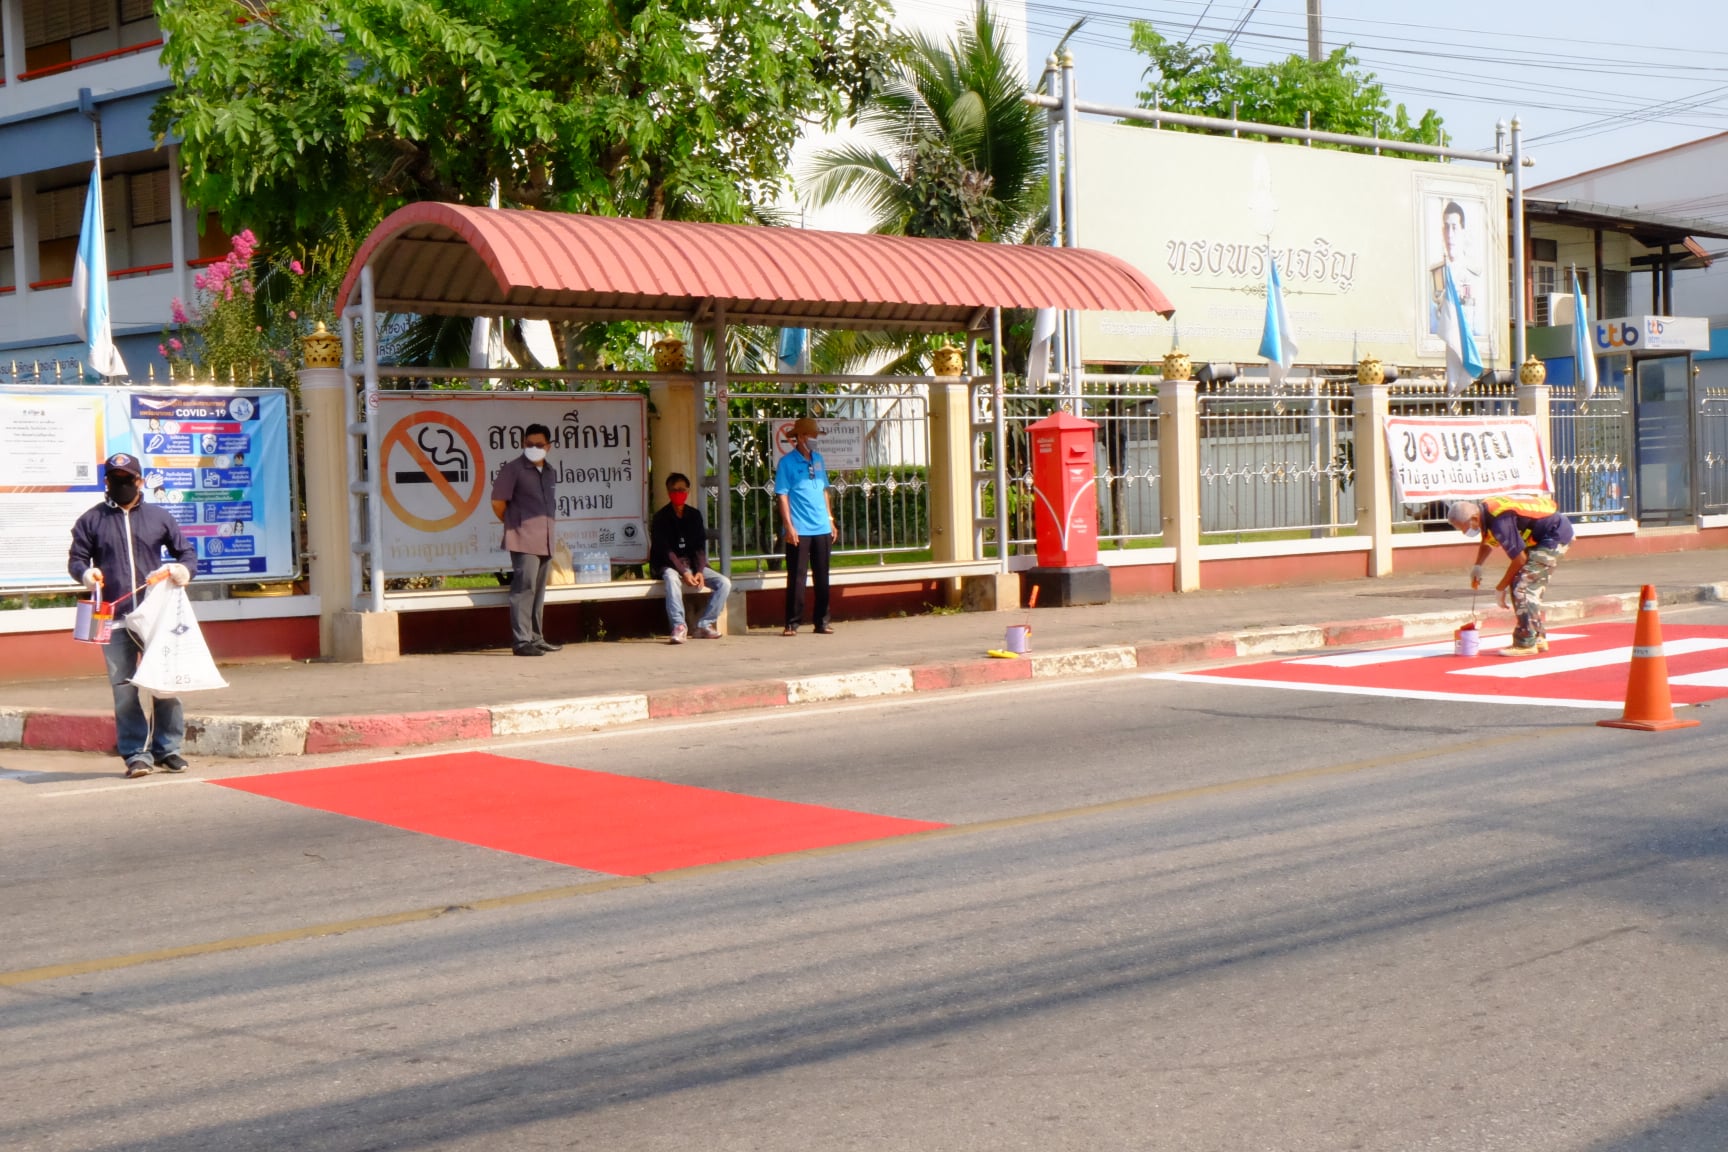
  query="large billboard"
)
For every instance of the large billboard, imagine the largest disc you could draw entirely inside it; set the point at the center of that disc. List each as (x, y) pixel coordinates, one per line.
(217, 460)
(1362, 242)
(442, 451)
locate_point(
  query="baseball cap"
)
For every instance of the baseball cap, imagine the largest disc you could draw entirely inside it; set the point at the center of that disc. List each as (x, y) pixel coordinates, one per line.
(124, 462)
(806, 427)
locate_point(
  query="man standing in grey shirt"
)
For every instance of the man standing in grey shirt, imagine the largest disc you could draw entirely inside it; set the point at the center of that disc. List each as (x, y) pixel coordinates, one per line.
(525, 497)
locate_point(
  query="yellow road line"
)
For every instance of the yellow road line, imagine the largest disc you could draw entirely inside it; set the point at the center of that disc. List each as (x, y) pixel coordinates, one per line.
(573, 891)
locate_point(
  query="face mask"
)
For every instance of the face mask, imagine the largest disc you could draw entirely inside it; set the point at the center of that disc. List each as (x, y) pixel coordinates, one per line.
(679, 499)
(122, 489)
(535, 455)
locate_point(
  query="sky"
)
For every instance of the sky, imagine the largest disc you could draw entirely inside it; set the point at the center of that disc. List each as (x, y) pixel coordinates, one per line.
(1607, 82)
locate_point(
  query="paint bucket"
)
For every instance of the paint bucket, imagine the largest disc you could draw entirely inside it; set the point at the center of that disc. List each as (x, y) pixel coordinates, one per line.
(1019, 638)
(1466, 642)
(93, 621)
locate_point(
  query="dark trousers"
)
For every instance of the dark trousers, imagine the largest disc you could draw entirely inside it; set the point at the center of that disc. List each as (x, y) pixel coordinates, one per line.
(811, 552)
(528, 576)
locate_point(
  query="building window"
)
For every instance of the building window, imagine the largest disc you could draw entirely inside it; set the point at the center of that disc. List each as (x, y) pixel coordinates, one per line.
(149, 193)
(47, 21)
(1544, 283)
(131, 10)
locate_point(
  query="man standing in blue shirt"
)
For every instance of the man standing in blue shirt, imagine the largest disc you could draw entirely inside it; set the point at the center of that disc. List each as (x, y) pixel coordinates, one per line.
(807, 519)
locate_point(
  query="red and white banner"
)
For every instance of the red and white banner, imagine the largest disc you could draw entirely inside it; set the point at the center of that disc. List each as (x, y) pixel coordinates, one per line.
(1461, 457)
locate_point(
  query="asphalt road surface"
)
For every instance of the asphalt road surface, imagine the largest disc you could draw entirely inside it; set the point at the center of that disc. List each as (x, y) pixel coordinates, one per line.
(1161, 915)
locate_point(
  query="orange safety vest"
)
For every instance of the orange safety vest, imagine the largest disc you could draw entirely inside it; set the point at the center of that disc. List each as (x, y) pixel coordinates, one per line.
(1535, 507)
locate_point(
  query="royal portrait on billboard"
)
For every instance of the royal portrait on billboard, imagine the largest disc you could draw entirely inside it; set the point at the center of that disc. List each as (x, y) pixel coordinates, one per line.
(1456, 233)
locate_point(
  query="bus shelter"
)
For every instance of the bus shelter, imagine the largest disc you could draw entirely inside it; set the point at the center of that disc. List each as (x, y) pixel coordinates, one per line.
(457, 260)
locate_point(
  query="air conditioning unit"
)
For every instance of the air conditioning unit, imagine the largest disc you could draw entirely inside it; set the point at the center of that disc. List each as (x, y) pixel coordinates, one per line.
(1554, 310)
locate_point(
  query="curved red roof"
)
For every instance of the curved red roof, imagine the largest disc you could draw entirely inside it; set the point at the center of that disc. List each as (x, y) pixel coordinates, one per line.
(458, 260)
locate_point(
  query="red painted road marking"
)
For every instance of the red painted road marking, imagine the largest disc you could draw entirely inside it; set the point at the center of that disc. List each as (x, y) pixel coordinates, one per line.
(1585, 667)
(593, 820)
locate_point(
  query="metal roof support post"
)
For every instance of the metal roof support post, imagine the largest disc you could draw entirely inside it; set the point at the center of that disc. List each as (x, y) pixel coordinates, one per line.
(1518, 262)
(722, 438)
(353, 430)
(1053, 166)
(374, 465)
(997, 402)
(1070, 231)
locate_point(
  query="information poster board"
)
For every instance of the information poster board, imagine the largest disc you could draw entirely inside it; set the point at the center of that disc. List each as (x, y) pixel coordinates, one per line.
(441, 452)
(218, 460)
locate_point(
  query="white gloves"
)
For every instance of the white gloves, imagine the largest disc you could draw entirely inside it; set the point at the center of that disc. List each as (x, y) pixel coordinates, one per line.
(1476, 575)
(174, 572)
(92, 578)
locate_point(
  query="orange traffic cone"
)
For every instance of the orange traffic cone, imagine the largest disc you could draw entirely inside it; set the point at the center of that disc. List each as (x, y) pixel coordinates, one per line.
(1649, 708)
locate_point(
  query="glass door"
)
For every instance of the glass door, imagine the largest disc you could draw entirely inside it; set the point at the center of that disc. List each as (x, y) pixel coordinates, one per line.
(1662, 417)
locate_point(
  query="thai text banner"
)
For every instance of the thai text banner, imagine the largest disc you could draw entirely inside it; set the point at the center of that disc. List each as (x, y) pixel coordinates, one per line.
(1462, 457)
(1362, 243)
(442, 450)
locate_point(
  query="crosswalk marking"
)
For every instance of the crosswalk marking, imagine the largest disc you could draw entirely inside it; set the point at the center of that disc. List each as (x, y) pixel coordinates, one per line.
(1715, 678)
(1413, 652)
(1524, 667)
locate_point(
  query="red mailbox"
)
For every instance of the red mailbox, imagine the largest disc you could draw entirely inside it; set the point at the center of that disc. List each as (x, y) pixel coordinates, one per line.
(1064, 491)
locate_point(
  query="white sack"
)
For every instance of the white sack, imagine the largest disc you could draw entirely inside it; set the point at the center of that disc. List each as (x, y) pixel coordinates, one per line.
(175, 657)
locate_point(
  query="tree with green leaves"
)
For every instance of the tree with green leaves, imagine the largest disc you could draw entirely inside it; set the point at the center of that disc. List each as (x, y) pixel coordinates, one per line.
(1209, 80)
(952, 149)
(650, 108)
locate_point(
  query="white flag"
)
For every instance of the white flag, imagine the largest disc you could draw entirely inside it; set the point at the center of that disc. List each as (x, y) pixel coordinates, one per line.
(90, 284)
(1038, 360)
(1583, 351)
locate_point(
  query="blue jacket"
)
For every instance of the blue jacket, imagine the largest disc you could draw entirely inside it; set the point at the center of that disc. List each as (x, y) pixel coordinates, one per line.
(127, 547)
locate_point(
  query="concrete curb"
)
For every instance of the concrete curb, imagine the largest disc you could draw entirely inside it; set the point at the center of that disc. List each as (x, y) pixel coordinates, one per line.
(271, 736)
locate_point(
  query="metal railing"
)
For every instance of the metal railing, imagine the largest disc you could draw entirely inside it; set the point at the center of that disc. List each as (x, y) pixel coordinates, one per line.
(883, 508)
(1712, 450)
(1277, 458)
(1589, 450)
(1125, 453)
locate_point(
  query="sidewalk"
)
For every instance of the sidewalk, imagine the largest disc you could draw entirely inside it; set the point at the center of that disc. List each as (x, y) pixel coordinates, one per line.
(292, 709)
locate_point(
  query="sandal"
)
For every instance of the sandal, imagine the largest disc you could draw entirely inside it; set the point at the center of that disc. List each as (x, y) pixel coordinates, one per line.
(790, 632)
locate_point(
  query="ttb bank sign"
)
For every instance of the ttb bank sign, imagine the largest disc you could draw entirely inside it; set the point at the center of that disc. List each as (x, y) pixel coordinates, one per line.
(1653, 334)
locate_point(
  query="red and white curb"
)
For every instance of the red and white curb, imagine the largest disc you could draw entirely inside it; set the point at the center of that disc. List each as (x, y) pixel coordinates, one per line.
(273, 736)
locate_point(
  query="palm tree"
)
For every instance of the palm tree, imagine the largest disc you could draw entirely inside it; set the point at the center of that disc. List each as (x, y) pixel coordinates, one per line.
(953, 149)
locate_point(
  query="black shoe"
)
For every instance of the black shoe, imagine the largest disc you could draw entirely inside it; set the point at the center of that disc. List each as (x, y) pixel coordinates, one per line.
(528, 650)
(548, 646)
(173, 762)
(137, 766)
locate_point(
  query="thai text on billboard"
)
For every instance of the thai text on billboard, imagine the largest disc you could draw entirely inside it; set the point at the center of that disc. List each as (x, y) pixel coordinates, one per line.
(1463, 457)
(1363, 244)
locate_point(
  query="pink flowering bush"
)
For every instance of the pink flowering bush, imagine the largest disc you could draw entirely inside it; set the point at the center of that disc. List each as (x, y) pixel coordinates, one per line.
(251, 307)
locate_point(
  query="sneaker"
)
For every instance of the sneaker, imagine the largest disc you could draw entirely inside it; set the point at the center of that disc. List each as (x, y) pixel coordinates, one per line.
(138, 766)
(680, 634)
(707, 632)
(1520, 650)
(173, 762)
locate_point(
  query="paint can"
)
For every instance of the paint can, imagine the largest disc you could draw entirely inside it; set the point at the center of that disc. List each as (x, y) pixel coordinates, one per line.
(1466, 642)
(1019, 639)
(93, 621)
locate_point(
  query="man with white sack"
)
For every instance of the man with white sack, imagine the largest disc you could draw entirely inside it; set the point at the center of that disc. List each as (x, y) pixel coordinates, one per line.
(118, 553)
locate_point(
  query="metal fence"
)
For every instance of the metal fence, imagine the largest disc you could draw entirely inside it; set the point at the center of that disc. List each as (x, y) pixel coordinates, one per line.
(1125, 454)
(1277, 458)
(883, 508)
(1712, 451)
(1589, 450)
(1430, 397)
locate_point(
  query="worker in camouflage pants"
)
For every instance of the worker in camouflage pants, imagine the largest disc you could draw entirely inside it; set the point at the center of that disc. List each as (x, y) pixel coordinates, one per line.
(1534, 535)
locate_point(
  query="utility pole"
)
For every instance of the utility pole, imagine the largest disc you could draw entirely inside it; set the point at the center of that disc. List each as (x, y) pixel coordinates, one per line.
(1315, 55)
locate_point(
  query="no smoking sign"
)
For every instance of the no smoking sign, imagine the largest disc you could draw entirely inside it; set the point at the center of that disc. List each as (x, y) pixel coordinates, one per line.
(434, 471)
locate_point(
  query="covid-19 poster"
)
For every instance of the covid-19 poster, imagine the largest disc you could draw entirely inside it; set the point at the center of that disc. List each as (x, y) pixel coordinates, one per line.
(217, 460)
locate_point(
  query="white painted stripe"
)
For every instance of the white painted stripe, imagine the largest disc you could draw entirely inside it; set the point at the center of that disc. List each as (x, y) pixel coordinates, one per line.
(1648, 653)
(1715, 678)
(1412, 652)
(1397, 693)
(1524, 667)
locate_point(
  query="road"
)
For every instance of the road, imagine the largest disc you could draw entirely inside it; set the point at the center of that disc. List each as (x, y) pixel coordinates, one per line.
(1160, 915)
